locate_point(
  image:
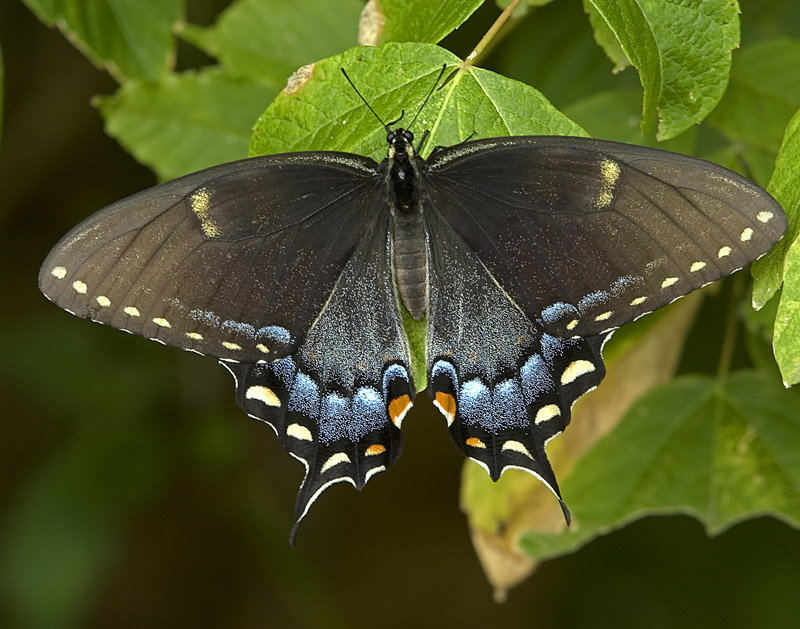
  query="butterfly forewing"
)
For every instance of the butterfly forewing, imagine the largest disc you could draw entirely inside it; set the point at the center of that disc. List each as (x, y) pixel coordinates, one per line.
(235, 261)
(586, 235)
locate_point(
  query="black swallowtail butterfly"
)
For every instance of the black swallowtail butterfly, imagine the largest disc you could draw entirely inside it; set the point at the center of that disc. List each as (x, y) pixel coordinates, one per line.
(522, 254)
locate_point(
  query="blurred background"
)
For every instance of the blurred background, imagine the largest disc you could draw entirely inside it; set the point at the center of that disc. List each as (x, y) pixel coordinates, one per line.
(133, 492)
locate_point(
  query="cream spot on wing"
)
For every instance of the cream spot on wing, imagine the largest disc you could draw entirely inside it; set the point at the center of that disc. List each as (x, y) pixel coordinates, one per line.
(764, 216)
(638, 301)
(724, 251)
(80, 287)
(263, 394)
(131, 311)
(231, 346)
(299, 432)
(333, 461)
(262, 348)
(575, 370)
(196, 336)
(516, 446)
(697, 266)
(546, 413)
(572, 324)
(161, 321)
(747, 234)
(201, 203)
(59, 271)
(103, 301)
(605, 316)
(609, 174)
(668, 282)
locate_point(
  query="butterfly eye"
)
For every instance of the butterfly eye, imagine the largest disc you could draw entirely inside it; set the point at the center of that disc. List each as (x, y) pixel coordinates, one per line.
(390, 137)
(408, 136)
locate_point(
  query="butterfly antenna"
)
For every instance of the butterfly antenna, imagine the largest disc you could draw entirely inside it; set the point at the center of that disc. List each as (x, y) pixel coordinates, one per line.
(428, 97)
(353, 85)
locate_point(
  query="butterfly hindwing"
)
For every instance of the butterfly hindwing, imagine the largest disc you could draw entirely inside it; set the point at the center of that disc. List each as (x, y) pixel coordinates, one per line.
(587, 235)
(234, 261)
(338, 402)
(504, 385)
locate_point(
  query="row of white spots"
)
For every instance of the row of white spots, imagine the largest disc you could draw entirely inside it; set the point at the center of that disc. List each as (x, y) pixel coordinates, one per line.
(276, 333)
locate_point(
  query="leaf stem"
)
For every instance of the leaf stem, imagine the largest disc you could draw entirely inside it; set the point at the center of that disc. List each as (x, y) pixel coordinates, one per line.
(480, 48)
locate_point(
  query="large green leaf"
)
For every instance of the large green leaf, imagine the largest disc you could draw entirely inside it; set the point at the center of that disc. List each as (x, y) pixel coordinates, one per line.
(681, 50)
(722, 452)
(322, 111)
(427, 21)
(763, 94)
(267, 41)
(129, 38)
(185, 122)
(785, 187)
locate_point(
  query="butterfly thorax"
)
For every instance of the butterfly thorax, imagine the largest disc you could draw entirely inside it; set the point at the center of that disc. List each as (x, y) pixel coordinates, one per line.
(408, 242)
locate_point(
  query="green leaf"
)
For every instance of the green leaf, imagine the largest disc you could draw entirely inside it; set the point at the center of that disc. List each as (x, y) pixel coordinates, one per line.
(324, 113)
(762, 96)
(682, 52)
(185, 122)
(427, 21)
(129, 38)
(267, 41)
(768, 272)
(787, 320)
(605, 38)
(720, 452)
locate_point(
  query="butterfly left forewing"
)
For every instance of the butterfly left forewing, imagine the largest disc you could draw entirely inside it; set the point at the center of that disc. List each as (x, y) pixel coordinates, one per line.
(234, 261)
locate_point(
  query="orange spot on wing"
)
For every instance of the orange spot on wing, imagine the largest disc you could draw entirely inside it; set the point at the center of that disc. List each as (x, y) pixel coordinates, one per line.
(446, 404)
(475, 442)
(374, 449)
(398, 407)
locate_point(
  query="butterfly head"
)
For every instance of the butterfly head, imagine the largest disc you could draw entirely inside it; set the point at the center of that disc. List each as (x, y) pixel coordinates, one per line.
(400, 140)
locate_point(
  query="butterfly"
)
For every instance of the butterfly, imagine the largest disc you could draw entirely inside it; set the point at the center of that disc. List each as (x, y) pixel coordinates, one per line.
(516, 256)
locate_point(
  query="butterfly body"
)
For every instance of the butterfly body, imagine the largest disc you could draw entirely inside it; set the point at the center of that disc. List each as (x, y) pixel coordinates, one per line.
(521, 255)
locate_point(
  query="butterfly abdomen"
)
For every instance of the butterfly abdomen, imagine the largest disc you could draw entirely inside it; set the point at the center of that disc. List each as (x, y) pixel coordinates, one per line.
(411, 262)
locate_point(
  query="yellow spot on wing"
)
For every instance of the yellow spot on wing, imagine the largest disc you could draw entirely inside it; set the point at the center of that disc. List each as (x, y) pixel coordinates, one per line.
(375, 449)
(603, 317)
(446, 404)
(764, 217)
(697, 266)
(572, 324)
(334, 460)
(201, 203)
(162, 322)
(609, 172)
(724, 251)
(231, 346)
(747, 234)
(263, 394)
(546, 412)
(474, 442)
(398, 408)
(576, 369)
(103, 301)
(638, 301)
(668, 282)
(299, 432)
(262, 348)
(131, 311)
(80, 287)
(195, 336)
(59, 271)
(516, 446)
